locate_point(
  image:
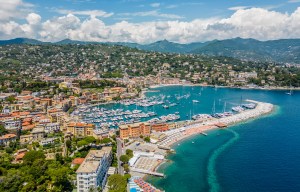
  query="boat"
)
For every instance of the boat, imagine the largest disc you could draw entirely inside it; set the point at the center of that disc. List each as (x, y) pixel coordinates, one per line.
(237, 109)
(290, 92)
(249, 106)
(195, 101)
(166, 106)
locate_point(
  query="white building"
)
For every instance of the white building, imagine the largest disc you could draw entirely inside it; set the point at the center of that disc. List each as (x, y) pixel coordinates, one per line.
(48, 141)
(52, 127)
(6, 139)
(92, 173)
(12, 124)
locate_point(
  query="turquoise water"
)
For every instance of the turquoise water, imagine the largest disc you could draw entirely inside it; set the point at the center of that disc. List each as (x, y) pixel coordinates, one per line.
(258, 155)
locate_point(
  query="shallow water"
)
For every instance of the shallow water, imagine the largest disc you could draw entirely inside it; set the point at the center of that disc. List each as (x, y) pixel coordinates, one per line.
(259, 155)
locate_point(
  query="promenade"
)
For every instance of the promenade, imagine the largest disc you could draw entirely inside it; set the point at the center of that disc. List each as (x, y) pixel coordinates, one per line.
(176, 135)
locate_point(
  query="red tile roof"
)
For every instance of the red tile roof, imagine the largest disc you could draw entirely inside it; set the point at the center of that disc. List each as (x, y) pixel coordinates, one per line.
(77, 161)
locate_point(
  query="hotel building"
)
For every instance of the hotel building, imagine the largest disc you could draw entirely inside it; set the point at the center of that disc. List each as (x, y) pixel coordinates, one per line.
(92, 173)
(80, 129)
(134, 130)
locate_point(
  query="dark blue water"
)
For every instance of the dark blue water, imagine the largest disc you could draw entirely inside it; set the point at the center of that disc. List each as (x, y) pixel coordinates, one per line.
(258, 155)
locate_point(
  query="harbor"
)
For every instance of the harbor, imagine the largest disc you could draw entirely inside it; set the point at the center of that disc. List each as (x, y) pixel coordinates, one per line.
(183, 113)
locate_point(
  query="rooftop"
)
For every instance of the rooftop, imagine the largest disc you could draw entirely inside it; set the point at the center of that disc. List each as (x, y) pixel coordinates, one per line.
(78, 161)
(8, 136)
(92, 160)
(133, 125)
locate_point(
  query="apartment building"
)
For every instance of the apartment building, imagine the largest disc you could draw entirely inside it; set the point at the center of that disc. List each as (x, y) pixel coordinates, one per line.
(92, 172)
(134, 130)
(80, 129)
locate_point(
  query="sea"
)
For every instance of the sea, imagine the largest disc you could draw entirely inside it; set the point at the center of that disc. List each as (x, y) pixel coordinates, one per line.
(258, 155)
(262, 154)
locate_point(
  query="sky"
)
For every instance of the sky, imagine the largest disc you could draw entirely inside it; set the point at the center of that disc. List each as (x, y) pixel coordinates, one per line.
(147, 21)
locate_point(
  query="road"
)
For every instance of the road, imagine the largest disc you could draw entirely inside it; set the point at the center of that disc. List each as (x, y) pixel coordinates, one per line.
(119, 153)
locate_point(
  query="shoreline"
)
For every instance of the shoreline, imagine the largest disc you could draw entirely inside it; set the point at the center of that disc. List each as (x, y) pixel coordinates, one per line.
(142, 94)
(262, 109)
(231, 87)
(211, 124)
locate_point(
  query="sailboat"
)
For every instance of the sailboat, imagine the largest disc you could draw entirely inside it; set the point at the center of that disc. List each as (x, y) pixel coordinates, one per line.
(290, 92)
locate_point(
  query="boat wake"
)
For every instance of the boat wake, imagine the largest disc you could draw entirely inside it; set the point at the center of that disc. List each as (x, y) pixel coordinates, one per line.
(212, 179)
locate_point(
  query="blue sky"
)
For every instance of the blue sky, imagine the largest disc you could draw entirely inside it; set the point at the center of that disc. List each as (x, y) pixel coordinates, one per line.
(185, 10)
(146, 21)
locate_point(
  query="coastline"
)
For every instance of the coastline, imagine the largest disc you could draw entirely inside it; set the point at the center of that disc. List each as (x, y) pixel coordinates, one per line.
(142, 94)
(231, 87)
(262, 109)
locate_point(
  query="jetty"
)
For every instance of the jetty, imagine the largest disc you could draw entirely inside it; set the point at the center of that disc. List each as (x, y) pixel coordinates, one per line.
(143, 171)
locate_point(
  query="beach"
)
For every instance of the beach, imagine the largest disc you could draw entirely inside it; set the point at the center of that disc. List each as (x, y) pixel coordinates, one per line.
(174, 136)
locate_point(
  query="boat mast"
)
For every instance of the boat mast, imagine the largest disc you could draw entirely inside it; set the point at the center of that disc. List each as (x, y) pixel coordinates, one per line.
(214, 107)
(224, 109)
(241, 100)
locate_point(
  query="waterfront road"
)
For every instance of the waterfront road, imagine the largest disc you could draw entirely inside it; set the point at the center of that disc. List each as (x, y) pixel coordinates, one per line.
(119, 153)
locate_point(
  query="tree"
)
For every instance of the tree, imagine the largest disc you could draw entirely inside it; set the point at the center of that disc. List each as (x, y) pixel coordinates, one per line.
(129, 152)
(12, 181)
(105, 140)
(2, 130)
(126, 167)
(31, 156)
(59, 177)
(147, 139)
(69, 144)
(117, 183)
(10, 99)
(124, 158)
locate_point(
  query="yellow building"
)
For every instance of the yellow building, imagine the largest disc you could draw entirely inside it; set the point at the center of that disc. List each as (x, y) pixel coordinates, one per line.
(80, 129)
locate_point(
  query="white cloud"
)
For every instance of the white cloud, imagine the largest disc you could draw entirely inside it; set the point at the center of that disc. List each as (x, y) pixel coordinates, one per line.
(12, 9)
(33, 18)
(171, 6)
(59, 28)
(255, 23)
(294, 1)
(153, 13)
(95, 13)
(155, 5)
(238, 8)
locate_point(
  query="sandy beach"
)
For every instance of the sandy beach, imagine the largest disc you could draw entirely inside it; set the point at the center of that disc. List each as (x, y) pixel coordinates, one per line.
(177, 135)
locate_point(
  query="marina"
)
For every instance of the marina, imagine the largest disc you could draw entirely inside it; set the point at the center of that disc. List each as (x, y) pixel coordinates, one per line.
(157, 108)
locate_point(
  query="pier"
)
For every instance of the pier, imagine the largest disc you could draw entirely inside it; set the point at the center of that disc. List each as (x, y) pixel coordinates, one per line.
(147, 172)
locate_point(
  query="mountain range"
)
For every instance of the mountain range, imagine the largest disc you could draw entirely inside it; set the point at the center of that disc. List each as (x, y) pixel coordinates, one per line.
(282, 51)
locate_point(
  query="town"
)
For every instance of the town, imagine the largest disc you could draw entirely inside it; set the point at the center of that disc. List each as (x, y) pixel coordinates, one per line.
(51, 142)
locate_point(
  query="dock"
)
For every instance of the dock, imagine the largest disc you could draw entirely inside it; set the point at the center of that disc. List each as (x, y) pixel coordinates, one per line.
(147, 172)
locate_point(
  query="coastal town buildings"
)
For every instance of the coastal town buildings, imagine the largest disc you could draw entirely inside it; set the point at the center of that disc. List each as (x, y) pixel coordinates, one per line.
(7, 138)
(92, 172)
(134, 130)
(80, 129)
(161, 127)
(37, 134)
